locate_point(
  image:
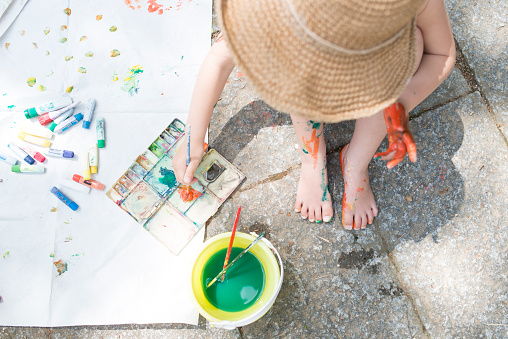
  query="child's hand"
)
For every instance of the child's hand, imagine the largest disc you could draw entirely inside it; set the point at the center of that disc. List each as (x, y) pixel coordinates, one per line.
(183, 173)
(400, 138)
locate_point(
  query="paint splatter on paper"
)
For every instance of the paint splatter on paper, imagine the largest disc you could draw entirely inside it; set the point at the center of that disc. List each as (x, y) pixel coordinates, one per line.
(115, 76)
(31, 81)
(89, 54)
(62, 40)
(54, 209)
(131, 82)
(35, 45)
(46, 30)
(112, 29)
(61, 266)
(68, 239)
(82, 70)
(114, 53)
(50, 74)
(63, 27)
(155, 7)
(22, 33)
(83, 38)
(67, 11)
(6, 254)
(10, 107)
(41, 88)
(68, 57)
(98, 17)
(52, 255)
(69, 89)
(47, 52)
(7, 44)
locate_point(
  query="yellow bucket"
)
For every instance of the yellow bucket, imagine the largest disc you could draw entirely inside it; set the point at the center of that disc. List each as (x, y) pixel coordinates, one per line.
(274, 274)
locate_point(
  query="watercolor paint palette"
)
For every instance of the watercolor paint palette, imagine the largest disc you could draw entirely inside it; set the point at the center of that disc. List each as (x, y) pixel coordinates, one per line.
(171, 212)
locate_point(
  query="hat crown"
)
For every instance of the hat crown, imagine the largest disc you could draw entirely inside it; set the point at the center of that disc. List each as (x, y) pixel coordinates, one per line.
(353, 24)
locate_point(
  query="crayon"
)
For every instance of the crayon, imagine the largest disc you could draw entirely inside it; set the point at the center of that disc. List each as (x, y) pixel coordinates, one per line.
(58, 153)
(34, 140)
(37, 132)
(20, 153)
(33, 153)
(72, 205)
(47, 107)
(48, 117)
(27, 168)
(90, 183)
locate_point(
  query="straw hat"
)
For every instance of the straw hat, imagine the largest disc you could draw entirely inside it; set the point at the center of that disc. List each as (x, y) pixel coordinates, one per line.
(324, 60)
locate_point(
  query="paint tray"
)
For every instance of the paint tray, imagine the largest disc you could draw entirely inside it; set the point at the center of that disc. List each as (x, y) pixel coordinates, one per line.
(173, 214)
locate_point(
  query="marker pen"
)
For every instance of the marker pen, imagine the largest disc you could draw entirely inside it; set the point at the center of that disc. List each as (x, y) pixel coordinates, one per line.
(8, 159)
(34, 140)
(33, 153)
(47, 107)
(90, 183)
(68, 123)
(28, 168)
(86, 166)
(61, 118)
(46, 118)
(90, 106)
(58, 153)
(93, 157)
(37, 131)
(101, 140)
(72, 205)
(75, 186)
(20, 153)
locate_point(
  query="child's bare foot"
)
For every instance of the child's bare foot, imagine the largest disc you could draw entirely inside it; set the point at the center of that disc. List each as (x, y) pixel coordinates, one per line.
(358, 204)
(313, 199)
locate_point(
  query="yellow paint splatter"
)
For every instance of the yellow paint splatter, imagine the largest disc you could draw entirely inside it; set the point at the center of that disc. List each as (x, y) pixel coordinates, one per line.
(82, 70)
(89, 54)
(42, 88)
(112, 29)
(98, 17)
(69, 89)
(83, 38)
(115, 53)
(63, 27)
(68, 57)
(54, 209)
(35, 45)
(46, 30)
(62, 40)
(115, 78)
(67, 11)
(31, 81)
(7, 44)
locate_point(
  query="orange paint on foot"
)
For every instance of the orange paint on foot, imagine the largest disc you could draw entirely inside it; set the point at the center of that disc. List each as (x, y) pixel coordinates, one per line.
(188, 193)
(312, 145)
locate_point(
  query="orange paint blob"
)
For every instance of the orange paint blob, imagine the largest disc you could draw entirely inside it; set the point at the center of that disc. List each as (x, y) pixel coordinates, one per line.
(312, 145)
(188, 193)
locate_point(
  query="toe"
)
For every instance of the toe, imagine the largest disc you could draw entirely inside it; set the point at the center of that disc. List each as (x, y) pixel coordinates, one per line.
(318, 214)
(357, 223)
(364, 222)
(298, 206)
(312, 214)
(304, 212)
(370, 216)
(374, 210)
(327, 212)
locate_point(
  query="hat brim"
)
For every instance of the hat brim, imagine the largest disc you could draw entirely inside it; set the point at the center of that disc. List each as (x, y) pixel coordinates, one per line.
(296, 75)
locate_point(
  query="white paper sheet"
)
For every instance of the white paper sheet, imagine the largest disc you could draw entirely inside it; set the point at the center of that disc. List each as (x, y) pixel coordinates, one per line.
(116, 271)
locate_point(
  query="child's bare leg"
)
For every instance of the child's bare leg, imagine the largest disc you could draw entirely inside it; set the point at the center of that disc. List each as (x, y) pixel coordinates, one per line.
(358, 204)
(313, 197)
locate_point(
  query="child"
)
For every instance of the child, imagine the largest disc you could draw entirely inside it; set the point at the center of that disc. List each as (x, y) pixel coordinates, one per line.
(328, 61)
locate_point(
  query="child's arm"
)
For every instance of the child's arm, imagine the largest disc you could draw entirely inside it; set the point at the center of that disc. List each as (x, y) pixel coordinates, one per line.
(210, 82)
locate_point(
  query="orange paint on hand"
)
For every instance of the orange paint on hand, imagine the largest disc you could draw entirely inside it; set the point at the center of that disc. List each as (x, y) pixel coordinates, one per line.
(187, 193)
(312, 146)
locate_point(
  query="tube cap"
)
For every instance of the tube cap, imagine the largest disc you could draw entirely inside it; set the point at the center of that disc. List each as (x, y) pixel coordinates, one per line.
(73, 206)
(44, 119)
(78, 116)
(86, 124)
(30, 113)
(39, 157)
(68, 154)
(76, 177)
(101, 143)
(16, 168)
(93, 169)
(29, 160)
(52, 126)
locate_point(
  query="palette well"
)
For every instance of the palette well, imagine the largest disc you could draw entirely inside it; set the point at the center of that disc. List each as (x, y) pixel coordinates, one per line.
(171, 212)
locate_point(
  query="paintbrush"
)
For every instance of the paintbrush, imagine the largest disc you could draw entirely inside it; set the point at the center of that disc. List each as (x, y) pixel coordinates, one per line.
(221, 273)
(232, 239)
(188, 154)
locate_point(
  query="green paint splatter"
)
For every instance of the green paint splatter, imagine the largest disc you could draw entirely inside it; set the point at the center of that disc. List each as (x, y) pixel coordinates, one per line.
(114, 53)
(68, 57)
(62, 40)
(31, 81)
(52, 254)
(6, 254)
(304, 149)
(168, 178)
(10, 107)
(4, 94)
(82, 70)
(131, 82)
(50, 74)
(66, 222)
(89, 54)
(46, 30)
(324, 186)
(42, 88)
(69, 89)
(315, 125)
(112, 29)
(47, 52)
(75, 255)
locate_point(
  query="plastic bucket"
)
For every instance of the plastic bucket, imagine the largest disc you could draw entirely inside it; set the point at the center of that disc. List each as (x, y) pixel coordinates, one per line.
(274, 274)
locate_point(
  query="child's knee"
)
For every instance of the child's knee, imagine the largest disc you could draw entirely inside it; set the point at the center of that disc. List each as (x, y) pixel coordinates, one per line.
(419, 48)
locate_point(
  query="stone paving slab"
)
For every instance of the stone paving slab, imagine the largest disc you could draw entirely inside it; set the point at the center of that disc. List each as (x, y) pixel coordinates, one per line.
(480, 28)
(458, 278)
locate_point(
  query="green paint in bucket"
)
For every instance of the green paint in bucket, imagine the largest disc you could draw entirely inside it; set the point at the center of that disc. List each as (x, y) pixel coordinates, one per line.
(243, 284)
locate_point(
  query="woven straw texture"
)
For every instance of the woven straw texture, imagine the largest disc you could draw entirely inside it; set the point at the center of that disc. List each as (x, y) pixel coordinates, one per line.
(363, 65)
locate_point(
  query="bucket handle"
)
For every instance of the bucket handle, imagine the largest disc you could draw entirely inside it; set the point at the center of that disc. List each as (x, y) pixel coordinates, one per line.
(230, 325)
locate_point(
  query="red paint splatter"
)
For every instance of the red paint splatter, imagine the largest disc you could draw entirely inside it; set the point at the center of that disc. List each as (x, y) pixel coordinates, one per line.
(188, 193)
